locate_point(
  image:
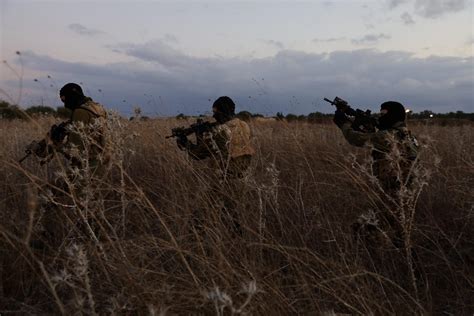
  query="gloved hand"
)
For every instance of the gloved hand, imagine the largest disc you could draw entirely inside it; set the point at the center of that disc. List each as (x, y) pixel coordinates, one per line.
(340, 118)
(40, 149)
(58, 133)
(182, 142)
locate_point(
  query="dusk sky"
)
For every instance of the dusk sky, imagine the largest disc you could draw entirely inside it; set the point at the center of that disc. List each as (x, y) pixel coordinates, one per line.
(170, 57)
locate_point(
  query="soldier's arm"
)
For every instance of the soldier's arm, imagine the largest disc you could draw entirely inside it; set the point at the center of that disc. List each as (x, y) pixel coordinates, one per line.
(357, 138)
(75, 138)
(222, 142)
(211, 144)
(200, 150)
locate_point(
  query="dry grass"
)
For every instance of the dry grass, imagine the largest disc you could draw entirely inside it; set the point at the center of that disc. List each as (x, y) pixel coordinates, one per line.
(131, 244)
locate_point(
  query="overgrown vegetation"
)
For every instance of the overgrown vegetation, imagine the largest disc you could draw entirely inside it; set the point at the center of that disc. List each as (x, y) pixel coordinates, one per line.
(10, 111)
(148, 238)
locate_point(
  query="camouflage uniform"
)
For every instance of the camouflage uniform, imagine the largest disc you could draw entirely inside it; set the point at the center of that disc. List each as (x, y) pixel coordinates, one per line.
(92, 115)
(230, 149)
(387, 145)
(394, 151)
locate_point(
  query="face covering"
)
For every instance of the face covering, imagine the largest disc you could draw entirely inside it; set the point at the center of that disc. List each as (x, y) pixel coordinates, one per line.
(395, 113)
(72, 95)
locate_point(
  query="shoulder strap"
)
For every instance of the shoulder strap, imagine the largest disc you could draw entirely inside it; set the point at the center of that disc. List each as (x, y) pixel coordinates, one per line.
(88, 110)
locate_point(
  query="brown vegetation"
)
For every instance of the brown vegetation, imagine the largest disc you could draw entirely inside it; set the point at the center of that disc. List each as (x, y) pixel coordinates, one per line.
(131, 244)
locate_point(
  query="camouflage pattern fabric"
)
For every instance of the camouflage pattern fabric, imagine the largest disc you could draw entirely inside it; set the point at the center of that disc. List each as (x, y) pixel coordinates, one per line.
(92, 116)
(228, 145)
(230, 149)
(393, 150)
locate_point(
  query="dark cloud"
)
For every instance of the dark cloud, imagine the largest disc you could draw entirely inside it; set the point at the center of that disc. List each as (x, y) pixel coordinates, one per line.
(436, 8)
(329, 40)
(370, 39)
(407, 19)
(163, 80)
(82, 30)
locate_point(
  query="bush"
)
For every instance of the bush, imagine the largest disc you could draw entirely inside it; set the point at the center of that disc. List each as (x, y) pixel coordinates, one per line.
(63, 112)
(11, 113)
(291, 117)
(244, 115)
(40, 109)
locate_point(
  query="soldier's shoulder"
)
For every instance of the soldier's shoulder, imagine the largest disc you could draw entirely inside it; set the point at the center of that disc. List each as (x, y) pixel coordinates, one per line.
(382, 136)
(237, 123)
(222, 128)
(81, 114)
(93, 107)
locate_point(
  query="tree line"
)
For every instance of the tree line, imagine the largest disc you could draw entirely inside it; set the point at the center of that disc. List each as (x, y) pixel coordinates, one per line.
(10, 111)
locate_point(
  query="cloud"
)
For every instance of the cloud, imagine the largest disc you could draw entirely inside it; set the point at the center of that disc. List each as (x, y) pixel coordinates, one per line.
(166, 81)
(392, 4)
(157, 51)
(328, 3)
(437, 8)
(431, 8)
(82, 30)
(276, 44)
(170, 38)
(407, 19)
(370, 39)
(328, 40)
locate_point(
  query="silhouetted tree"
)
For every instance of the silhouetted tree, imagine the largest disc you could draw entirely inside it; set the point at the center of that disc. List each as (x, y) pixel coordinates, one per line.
(291, 117)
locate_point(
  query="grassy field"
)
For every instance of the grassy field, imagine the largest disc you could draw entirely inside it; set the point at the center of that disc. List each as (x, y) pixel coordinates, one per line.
(149, 239)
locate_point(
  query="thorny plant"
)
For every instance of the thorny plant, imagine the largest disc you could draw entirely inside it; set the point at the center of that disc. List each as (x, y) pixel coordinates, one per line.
(398, 202)
(222, 301)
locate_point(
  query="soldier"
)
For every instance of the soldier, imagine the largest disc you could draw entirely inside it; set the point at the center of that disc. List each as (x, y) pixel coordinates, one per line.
(394, 151)
(89, 135)
(82, 140)
(229, 147)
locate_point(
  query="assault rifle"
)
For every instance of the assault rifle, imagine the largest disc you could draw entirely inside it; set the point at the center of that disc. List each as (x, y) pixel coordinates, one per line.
(45, 147)
(38, 148)
(362, 121)
(197, 128)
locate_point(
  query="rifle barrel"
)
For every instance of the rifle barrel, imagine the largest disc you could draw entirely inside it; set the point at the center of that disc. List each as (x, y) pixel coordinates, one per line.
(327, 100)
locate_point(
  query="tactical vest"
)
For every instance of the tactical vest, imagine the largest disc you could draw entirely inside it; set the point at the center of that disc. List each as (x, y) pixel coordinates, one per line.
(386, 167)
(95, 113)
(239, 139)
